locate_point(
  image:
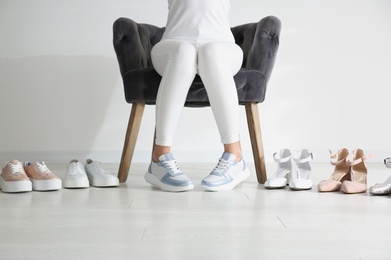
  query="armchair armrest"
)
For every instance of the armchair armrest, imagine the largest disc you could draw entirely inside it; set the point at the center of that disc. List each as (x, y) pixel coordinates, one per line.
(259, 42)
(133, 43)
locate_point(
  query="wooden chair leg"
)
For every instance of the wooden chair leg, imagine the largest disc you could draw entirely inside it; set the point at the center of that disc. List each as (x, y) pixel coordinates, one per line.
(254, 128)
(136, 115)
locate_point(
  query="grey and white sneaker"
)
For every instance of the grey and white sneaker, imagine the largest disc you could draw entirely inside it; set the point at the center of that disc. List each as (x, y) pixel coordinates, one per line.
(226, 175)
(99, 176)
(167, 176)
(75, 176)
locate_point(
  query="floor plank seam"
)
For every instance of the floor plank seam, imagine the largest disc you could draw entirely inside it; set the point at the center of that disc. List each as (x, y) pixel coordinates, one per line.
(131, 202)
(142, 236)
(281, 221)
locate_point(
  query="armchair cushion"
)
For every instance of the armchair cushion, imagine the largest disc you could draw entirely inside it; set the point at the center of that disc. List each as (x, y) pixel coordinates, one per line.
(133, 43)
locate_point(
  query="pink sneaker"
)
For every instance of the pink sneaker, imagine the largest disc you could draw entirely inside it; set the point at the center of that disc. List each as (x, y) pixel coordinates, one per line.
(41, 177)
(13, 178)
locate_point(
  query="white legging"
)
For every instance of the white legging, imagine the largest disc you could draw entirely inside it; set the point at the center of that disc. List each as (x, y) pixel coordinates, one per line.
(178, 62)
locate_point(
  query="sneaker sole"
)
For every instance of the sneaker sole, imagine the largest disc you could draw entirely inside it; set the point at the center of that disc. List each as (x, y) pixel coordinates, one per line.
(104, 183)
(15, 186)
(229, 186)
(151, 179)
(76, 184)
(46, 185)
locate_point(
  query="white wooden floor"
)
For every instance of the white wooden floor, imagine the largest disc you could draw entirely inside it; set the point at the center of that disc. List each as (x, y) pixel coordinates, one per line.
(135, 221)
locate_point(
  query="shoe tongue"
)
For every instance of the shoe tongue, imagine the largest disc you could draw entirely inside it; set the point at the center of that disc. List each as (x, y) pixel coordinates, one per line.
(166, 157)
(228, 156)
(14, 161)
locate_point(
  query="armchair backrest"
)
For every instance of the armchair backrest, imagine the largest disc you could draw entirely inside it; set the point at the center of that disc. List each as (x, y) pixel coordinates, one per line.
(259, 41)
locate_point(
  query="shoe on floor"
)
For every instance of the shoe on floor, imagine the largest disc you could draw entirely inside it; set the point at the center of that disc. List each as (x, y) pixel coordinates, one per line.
(301, 180)
(41, 177)
(381, 188)
(226, 175)
(387, 162)
(98, 176)
(75, 176)
(13, 178)
(358, 173)
(167, 176)
(340, 174)
(284, 170)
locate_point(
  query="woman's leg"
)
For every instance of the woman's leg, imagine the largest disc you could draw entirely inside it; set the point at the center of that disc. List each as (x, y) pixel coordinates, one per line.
(218, 62)
(175, 61)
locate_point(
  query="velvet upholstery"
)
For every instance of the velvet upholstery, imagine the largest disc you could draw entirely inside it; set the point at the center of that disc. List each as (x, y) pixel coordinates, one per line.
(133, 43)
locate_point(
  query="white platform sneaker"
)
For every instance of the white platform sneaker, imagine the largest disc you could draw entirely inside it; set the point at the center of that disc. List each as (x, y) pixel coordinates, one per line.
(99, 176)
(75, 176)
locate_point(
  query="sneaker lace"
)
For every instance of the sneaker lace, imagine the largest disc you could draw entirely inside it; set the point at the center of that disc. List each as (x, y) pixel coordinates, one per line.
(102, 169)
(172, 167)
(42, 167)
(221, 167)
(15, 168)
(74, 169)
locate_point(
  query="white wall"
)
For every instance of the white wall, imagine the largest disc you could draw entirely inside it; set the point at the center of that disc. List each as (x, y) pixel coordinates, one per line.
(62, 97)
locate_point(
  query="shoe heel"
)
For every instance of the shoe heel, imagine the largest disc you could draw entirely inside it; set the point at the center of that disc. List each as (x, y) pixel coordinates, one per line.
(341, 172)
(283, 171)
(302, 181)
(358, 173)
(288, 178)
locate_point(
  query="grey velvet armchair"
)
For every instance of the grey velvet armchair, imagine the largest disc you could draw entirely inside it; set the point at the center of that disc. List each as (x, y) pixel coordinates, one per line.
(133, 43)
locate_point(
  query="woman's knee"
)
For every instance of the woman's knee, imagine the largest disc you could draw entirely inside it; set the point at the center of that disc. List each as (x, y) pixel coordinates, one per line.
(217, 53)
(173, 51)
(185, 50)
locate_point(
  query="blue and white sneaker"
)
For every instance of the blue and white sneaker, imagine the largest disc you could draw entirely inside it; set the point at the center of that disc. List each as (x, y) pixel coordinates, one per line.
(226, 175)
(167, 176)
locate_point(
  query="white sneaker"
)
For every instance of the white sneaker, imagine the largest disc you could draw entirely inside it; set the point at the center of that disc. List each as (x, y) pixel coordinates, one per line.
(167, 176)
(75, 176)
(99, 176)
(13, 178)
(227, 174)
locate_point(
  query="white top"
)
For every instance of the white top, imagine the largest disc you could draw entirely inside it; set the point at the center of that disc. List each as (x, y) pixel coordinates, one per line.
(198, 21)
